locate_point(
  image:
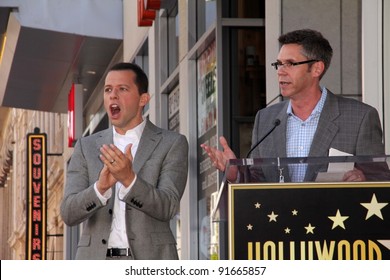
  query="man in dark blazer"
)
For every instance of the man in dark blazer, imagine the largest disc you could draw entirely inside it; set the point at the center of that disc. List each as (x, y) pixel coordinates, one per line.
(125, 183)
(312, 120)
(345, 125)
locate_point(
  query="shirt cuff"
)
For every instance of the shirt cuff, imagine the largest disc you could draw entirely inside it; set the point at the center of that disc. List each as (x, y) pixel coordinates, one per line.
(103, 197)
(123, 191)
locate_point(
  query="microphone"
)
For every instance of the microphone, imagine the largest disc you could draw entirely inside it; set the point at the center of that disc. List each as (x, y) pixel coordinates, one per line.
(276, 123)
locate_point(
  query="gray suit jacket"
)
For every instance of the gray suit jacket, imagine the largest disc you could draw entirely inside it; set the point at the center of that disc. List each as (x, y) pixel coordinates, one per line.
(161, 164)
(345, 124)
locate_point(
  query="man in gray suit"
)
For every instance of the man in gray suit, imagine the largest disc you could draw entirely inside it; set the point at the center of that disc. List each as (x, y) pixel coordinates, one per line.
(313, 121)
(125, 183)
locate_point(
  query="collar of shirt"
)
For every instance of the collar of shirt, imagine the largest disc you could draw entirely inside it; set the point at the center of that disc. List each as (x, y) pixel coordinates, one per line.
(317, 110)
(131, 136)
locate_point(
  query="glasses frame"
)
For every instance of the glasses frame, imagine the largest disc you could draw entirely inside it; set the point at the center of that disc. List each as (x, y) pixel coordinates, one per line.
(277, 64)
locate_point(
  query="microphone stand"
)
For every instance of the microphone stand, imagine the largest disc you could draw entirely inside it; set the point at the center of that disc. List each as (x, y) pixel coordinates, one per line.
(273, 99)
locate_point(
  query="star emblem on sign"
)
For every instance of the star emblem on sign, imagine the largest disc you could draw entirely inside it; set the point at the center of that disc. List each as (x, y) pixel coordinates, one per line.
(374, 208)
(310, 229)
(272, 216)
(338, 220)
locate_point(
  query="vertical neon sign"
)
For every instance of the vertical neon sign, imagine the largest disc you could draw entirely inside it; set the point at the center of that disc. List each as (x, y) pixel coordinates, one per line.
(36, 196)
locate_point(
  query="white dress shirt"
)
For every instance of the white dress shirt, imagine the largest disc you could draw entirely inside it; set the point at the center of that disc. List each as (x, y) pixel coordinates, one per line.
(118, 235)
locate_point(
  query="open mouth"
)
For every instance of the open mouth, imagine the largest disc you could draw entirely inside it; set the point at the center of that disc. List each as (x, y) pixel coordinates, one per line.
(114, 108)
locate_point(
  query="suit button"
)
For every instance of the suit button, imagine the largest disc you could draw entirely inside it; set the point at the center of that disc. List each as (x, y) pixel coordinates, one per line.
(110, 211)
(104, 241)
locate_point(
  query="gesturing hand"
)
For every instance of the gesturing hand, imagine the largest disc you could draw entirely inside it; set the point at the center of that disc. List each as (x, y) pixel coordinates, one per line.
(118, 166)
(220, 158)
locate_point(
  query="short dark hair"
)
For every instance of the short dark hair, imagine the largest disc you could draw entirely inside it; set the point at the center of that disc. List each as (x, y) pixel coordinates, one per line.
(314, 45)
(141, 80)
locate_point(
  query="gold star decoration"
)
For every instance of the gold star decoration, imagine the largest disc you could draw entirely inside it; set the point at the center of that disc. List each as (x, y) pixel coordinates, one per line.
(294, 212)
(287, 230)
(310, 229)
(257, 205)
(249, 227)
(374, 208)
(338, 220)
(272, 216)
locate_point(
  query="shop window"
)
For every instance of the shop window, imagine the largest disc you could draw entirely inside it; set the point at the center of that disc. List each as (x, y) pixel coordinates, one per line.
(206, 15)
(243, 9)
(247, 83)
(207, 133)
(142, 60)
(169, 38)
(174, 110)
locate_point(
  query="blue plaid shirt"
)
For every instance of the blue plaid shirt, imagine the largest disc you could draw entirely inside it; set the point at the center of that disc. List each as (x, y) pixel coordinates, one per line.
(300, 136)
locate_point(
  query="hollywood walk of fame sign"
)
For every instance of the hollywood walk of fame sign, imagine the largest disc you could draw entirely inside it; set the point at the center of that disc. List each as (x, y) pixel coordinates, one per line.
(336, 221)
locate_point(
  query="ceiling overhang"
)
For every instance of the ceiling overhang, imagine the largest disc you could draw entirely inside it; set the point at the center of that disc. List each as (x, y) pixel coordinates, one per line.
(40, 61)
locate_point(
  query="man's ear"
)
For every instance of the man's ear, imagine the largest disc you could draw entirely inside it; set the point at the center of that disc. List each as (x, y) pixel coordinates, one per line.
(145, 97)
(318, 68)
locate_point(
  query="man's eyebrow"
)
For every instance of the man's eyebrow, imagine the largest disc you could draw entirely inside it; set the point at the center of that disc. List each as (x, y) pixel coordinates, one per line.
(120, 85)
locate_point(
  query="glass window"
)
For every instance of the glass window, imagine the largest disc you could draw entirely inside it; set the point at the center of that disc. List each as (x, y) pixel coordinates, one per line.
(206, 15)
(243, 9)
(142, 60)
(169, 38)
(174, 110)
(246, 82)
(207, 133)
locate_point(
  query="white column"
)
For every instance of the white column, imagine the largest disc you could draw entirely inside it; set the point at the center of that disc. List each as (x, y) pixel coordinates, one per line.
(372, 89)
(273, 28)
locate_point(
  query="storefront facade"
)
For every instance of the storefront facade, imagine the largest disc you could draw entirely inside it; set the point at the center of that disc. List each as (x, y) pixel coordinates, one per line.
(217, 55)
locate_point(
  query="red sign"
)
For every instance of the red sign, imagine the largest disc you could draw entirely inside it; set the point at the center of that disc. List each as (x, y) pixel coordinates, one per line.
(147, 11)
(36, 197)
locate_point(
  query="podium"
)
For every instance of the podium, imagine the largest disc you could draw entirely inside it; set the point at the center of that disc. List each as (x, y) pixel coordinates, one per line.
(301, 209)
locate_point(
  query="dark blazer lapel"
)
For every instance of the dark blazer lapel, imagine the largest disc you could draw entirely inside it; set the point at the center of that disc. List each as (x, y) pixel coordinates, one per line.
(150, 138)
(279, 140)
(279, 135)
(326, 131)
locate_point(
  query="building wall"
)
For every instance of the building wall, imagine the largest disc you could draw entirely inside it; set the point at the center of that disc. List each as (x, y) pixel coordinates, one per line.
(339, 21)
(6, 154)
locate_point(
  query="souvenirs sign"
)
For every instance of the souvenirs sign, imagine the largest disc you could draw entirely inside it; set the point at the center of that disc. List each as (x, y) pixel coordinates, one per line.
(322, 221)
(36, 196)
